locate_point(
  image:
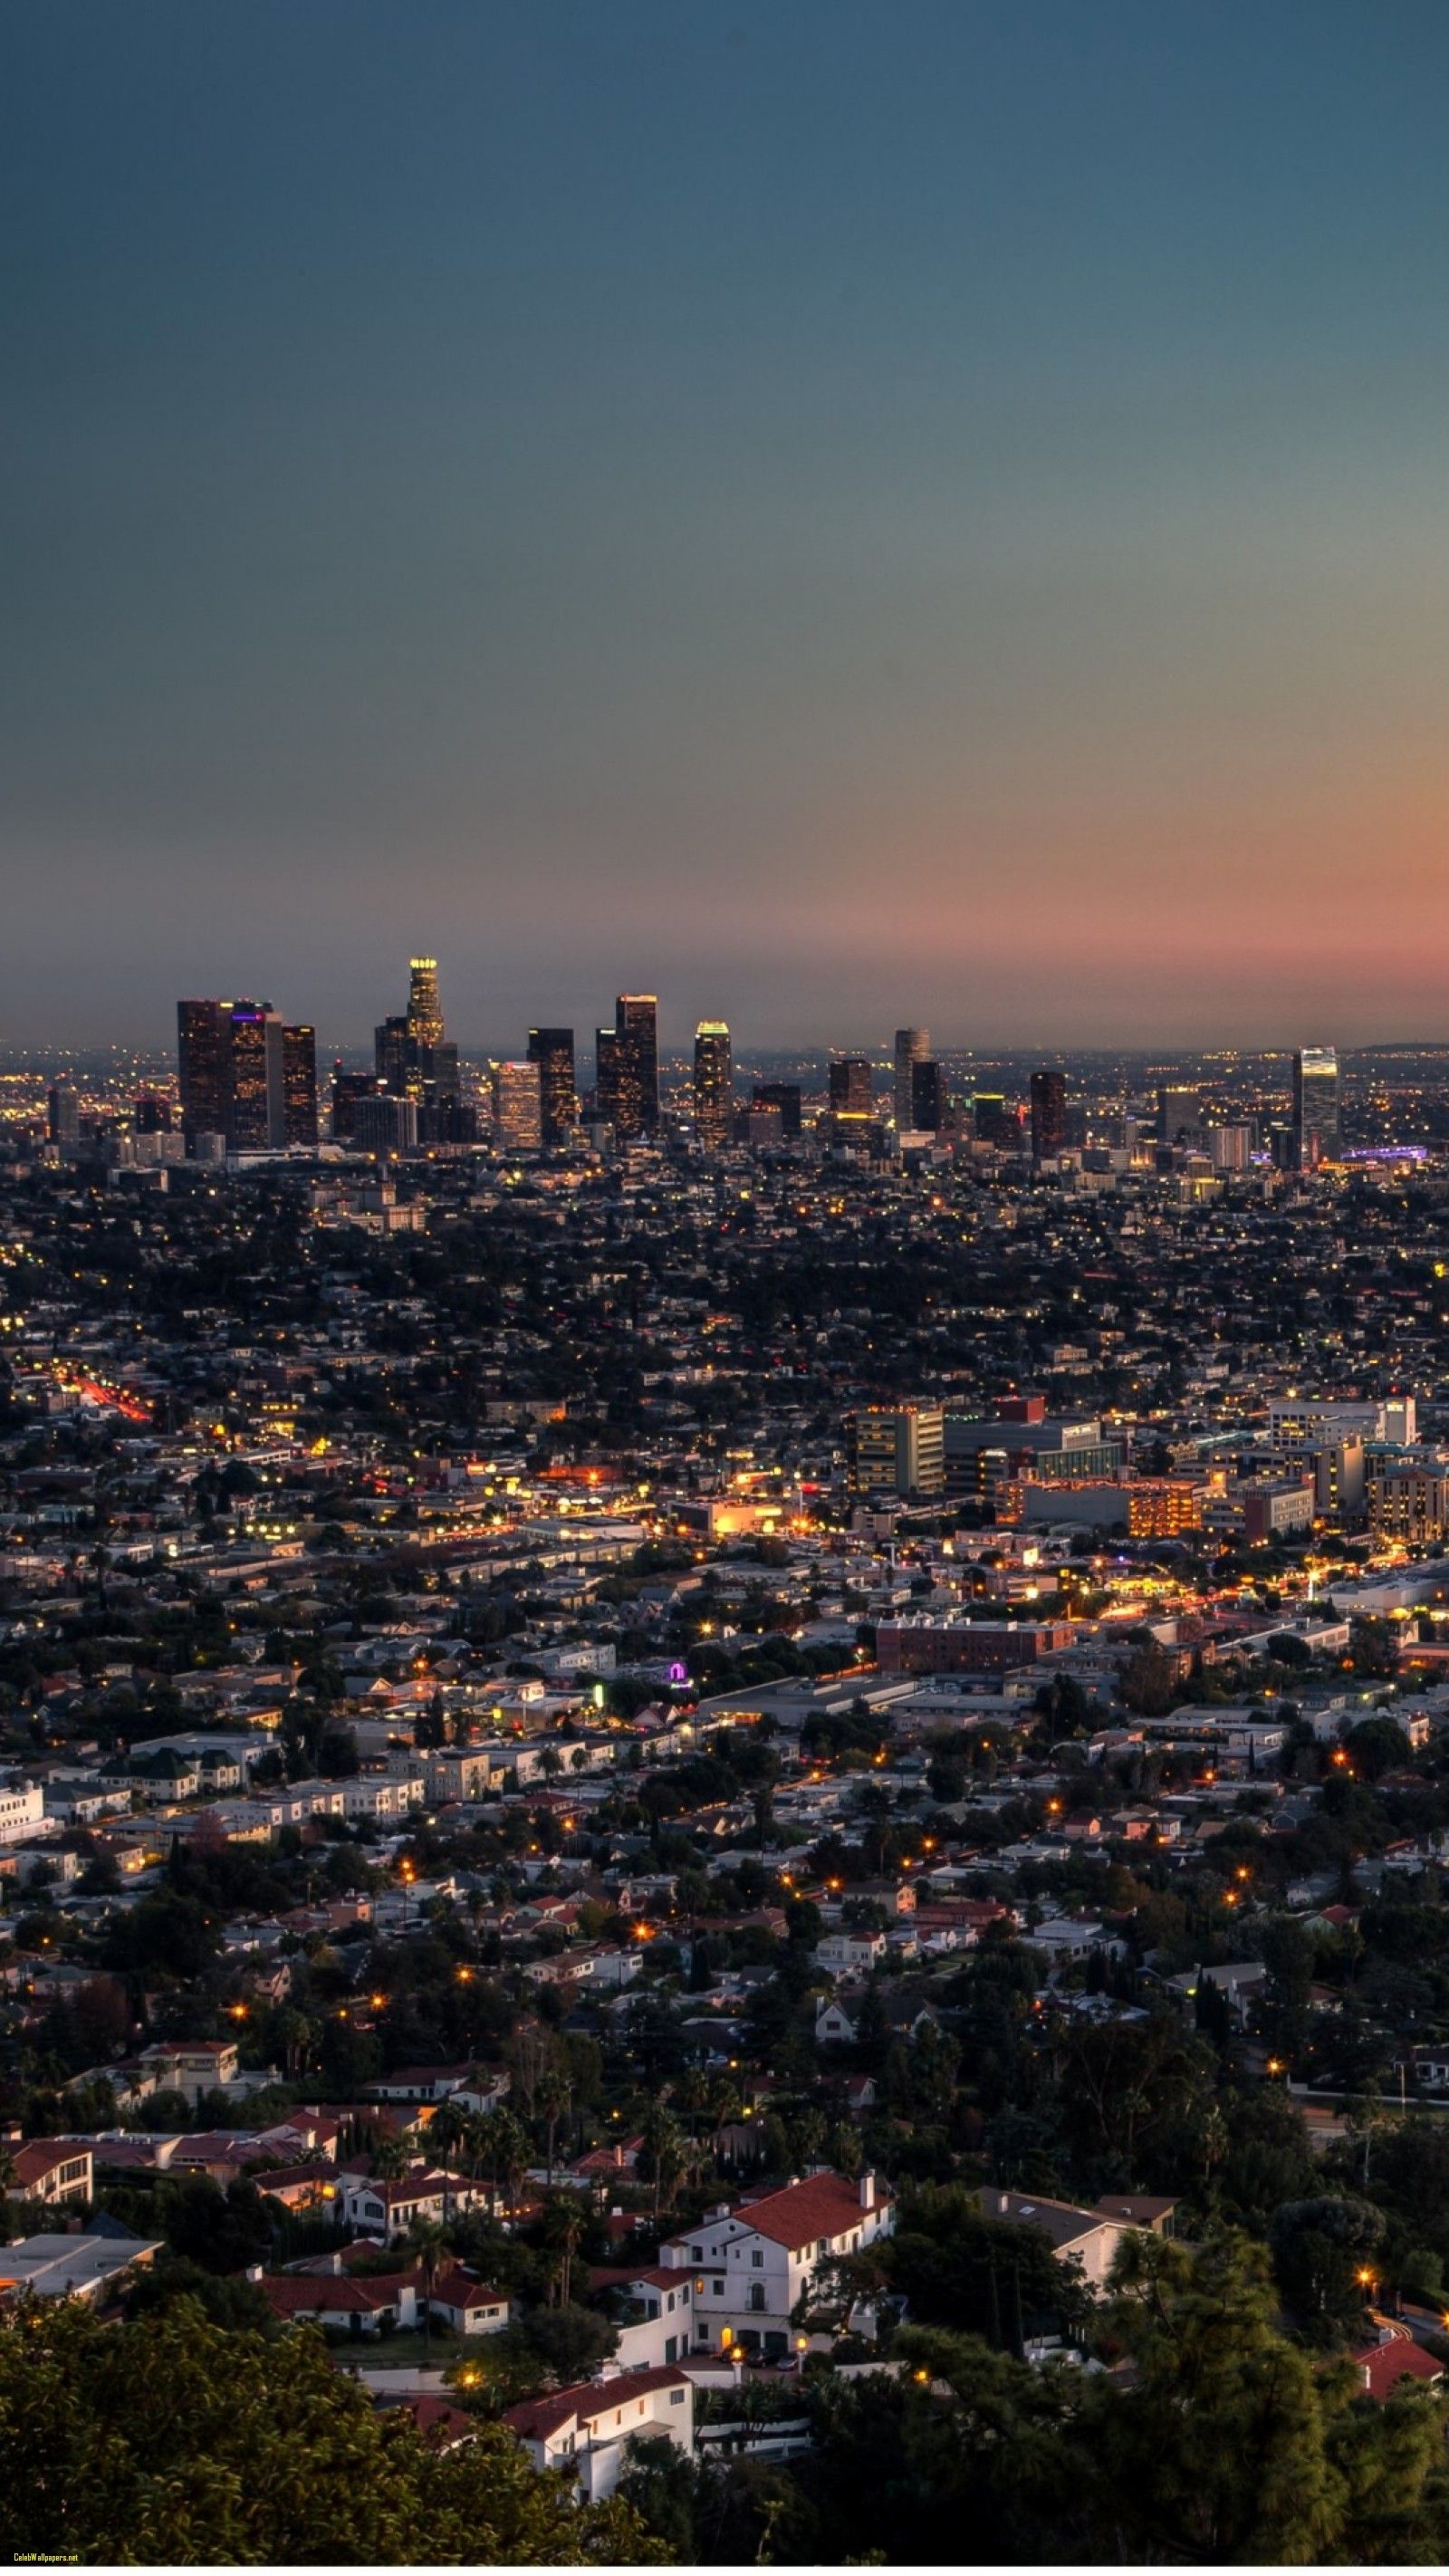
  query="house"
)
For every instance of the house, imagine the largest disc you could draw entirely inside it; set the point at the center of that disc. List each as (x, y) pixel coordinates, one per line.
(586, 2429)
(1090, 2236)
(389, 2209)
(655, 2304)
(342, 2303)
(192, 2067)
(469, 2306)
(73, 2267)
(53, 2170)
(751, 2262)
(1388, 2367)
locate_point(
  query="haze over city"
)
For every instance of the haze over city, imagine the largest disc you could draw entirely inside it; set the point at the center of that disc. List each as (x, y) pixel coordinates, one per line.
(831, 514)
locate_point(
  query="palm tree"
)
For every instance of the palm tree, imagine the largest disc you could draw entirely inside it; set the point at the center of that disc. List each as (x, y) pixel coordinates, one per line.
(429, 2246)
(447, 2130)
(390, 2158)
(551, 2099)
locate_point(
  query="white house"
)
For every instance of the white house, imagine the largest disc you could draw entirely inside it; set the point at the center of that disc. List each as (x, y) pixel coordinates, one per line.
(750, 2262)
(587, 2428)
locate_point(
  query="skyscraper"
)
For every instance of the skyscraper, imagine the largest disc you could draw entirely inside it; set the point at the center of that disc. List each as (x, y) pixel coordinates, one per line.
(1315, 1107)
(63, 1105)
(415, 1061)
(425, 1009)
(517, 1106)
(1048, 1114)
(714, 1085)
(913, 1047)
(852, 1086)
(628, 1069)
(1179, 1111)
(299, 1084)
(552, 1050)
(928, 1102)
(256, 1119)
(995, 1124)
(784, 1097)
(201, 1053)
(231, 1066)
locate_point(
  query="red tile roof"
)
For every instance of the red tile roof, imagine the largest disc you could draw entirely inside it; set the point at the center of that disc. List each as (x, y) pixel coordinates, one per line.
(538, 2417)
(1386, 2366)
(826, 2205)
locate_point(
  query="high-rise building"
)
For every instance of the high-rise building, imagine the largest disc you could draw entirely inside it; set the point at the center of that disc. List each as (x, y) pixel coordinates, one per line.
(1315, 1107)
(153, 1114)
(784, 1097)
(425, 1009)
(517, 1106)
(627, 1069)
(852, 1086)
(1179, 1111)
(202, 1046)
(348, 1090)
(1048, 1114)
(714, 1086)
(383, 1124)
(415, 1061)
(299, 1084)
(995, 1123)
(900, 1449)
(928, 1102)
(63, 1114)
(913, 1047)
(231, 1067)
(257, 1111)
(552, 1050)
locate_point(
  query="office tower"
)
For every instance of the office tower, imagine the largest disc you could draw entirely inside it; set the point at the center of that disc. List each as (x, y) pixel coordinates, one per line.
(230, 1060)
(900, 1449)
(153, 1114)
(425, 1009)
(913, 1046)
(202, 1036)
(606, 1075)
(714, 1086)
(552, 1050)
(852, 1086)
(63, 1114)
(927, 1096)
(627, 1069)
(1315, 1107)
(348, 1089)
(995, 1123)
(1231, 1148)
(785, 1097)
(517, 1107)
(299, 1084)
(382, 1124)
(393, 1052)
(637, 1059)
(1048, 1114)
(256, 1119)
(1179, 1111)
(415, 1060)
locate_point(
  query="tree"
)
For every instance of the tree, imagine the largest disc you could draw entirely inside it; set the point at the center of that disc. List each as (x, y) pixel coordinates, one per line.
(1218, 2449)
(263, 2452)
(429, 2248)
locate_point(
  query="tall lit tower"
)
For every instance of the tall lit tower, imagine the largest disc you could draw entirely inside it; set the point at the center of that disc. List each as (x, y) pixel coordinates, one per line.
(1315, 1107)
(714, 1085)
(913, 1047)
(425, 1010)
(1048, 1114)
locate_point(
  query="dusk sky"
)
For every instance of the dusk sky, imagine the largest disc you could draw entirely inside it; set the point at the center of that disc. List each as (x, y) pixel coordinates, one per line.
(839, 514)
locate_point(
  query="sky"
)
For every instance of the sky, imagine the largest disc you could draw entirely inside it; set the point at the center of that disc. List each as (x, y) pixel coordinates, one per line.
(839, 512)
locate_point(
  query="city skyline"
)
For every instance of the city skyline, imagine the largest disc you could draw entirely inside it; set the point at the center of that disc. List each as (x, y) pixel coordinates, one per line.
(794, 508)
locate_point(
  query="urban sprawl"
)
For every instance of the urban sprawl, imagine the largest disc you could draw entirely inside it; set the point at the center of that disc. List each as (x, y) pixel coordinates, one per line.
(723, 1799)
